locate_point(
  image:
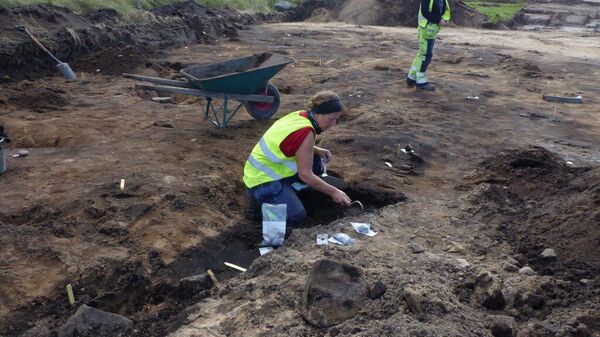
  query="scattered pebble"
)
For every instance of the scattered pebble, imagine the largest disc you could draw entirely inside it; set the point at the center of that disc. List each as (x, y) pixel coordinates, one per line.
(512, 261)
(548, 253)
(527, 271)
(455, 248)
(416, 248)
(164, 124)
(509, 267)
(462, 263)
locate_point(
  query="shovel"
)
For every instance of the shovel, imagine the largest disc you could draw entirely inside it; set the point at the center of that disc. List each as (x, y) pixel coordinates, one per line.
(333, 181)
(64, 68)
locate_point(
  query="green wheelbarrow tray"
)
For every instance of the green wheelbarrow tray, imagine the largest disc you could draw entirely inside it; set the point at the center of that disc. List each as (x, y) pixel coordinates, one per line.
(247, 75)
(245, 80)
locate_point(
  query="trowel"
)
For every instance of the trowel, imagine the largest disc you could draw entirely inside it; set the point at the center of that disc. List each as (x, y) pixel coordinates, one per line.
(333, 181)
(64, 68)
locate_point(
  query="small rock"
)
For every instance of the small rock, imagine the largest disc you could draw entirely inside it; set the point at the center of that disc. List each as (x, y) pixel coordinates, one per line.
(488, 291)
(169, 179)
(377, 291)
(91, 322)
(509, 267)
(163, 124)
(527, 271)
(191, 285)
(455, 248)
(512, 261)
(494, 300)
(536, 301)
(462, 263)
(416, 248)
(548, 253)
(413, 299)
(585, 281)
(583, 331)
(545, 328)
(502, 326)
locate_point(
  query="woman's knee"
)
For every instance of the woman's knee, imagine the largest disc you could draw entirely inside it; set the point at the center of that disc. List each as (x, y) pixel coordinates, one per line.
(297, 218)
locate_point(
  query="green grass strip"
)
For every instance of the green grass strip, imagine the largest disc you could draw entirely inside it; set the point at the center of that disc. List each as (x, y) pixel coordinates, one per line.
(497, 11)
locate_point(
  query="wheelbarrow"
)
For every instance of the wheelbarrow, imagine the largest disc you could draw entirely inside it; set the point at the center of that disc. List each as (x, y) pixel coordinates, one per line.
(246, 80)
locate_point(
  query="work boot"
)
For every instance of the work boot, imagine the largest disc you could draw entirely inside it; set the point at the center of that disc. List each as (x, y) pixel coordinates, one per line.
(426, 86)
(410, 82)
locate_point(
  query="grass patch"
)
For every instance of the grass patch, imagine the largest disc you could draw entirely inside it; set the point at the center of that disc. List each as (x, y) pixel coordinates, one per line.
(127, 6)
(497, 11)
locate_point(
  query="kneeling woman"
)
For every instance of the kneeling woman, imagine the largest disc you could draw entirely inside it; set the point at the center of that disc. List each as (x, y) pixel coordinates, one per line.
(286, 155)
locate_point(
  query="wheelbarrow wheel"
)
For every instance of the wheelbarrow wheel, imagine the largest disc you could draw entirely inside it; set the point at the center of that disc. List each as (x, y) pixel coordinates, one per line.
(260, 110)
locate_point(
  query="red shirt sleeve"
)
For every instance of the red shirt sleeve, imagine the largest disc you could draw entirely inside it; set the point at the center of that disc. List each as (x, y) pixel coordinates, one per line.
(291, 143)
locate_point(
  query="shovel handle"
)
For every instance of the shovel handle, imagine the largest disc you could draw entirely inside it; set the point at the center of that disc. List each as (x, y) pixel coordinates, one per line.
(26, 31)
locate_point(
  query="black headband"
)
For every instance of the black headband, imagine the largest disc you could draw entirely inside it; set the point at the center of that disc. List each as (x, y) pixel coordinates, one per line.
(335, 105)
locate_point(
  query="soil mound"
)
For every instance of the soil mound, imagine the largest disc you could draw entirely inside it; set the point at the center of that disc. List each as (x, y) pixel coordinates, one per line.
(105, 40)
(552, 206)
(385, 12)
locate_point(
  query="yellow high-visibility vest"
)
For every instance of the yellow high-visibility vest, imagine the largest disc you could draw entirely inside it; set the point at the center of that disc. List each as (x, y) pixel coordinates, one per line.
(423, 20)
(266, 161)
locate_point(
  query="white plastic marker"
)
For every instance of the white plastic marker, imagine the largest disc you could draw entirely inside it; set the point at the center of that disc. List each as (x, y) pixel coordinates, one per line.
(231, 265)
(122, 184)
(70, 294)
(212, 277)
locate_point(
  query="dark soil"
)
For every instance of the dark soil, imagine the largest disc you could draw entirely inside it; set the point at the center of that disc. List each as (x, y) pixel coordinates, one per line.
(103, 41)
(554, 206)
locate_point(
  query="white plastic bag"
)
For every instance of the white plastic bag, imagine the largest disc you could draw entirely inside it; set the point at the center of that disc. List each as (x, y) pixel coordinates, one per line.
(273, 223)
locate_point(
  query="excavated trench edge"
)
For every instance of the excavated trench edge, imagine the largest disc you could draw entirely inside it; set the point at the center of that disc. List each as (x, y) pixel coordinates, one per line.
(126, 289)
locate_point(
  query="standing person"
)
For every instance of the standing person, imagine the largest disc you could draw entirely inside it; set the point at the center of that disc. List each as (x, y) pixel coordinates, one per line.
(3, 141)
(286, 155)
(431, 13)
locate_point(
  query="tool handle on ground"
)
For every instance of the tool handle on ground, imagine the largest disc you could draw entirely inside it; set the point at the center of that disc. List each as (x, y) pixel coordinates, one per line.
(41, 45)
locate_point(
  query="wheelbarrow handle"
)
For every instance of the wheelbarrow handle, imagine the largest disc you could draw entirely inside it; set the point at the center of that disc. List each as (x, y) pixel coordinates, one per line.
(26, 31)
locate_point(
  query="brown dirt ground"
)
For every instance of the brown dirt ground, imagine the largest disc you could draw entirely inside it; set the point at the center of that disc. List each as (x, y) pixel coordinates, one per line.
(495, 186)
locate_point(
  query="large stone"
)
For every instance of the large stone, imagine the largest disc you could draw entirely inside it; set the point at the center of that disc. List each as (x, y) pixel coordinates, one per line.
(333, 293)
(91, 322)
